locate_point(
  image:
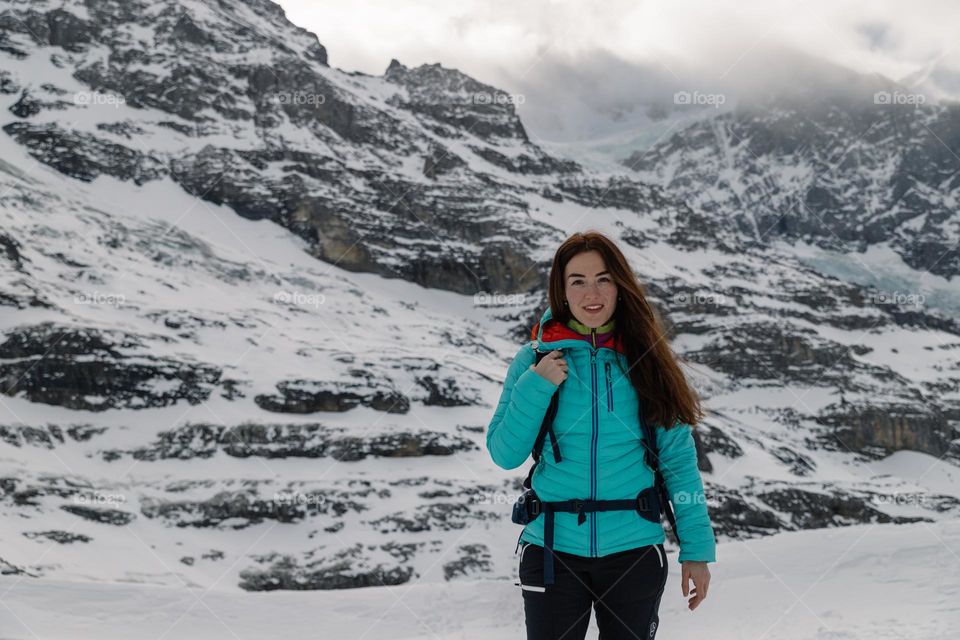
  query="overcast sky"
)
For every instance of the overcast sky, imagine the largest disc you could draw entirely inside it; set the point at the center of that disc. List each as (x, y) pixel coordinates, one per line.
(569, 58)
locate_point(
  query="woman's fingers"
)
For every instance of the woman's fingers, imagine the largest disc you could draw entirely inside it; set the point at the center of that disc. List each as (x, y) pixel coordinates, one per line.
(699, 592)
(695, 600)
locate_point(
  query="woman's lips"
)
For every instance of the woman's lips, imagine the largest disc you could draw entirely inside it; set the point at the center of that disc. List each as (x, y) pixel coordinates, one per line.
(598, 309)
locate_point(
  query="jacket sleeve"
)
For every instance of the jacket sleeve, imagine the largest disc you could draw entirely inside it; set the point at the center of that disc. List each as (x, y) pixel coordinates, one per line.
(523, 403)
(678, 462)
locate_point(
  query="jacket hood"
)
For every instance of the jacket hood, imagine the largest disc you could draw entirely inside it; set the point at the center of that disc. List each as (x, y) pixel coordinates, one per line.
(553, 334)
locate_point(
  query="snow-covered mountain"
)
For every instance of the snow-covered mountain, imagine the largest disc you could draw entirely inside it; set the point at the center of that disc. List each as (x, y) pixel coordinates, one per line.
(846, 167)
(244, 332)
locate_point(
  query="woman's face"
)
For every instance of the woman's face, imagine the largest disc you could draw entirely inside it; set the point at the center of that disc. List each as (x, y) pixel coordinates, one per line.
(589, 289)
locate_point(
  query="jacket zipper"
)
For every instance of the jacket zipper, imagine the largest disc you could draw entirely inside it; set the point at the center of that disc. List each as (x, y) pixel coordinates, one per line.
(594, 439)
(606, 366)
(593, 452)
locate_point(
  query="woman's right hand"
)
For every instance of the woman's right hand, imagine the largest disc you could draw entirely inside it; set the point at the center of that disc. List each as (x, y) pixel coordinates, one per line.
(553, 367)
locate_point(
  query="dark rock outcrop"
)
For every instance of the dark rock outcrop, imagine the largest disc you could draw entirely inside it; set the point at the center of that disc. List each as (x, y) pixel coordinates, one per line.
(345, 569)
(309, 396)
(881, 429)
(58, 536)
(83, 156)
(100, 514)
(737, 516)
(815, 509)
(473, 560)
(48, 436)
(242, 507)
(432, 516)
(202, 440)
(93, 370)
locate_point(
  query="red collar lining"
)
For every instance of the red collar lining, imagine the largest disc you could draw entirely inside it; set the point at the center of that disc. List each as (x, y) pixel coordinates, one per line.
(553, 331)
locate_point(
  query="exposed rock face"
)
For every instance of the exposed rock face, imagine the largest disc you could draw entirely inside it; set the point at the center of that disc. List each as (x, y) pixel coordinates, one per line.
(11, 251)
(474, 559)
(241, 508)
(10, 569)
(60, 537)
(83, 156)
(27, 494)
(783, 354)
(798, 463)
(345, 569)
(442, 516)
(714, 440)
(445, 393)
(778, 508)
(454, 102)
(100, 514)
(49, 436)
(293, 441)
(92, 370)
(703, 462)
(305, 396)
(814, 510)
(879, 430)
(737, 516)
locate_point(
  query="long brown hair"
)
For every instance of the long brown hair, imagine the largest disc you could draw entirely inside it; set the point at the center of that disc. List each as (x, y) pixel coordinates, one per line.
(666, 399)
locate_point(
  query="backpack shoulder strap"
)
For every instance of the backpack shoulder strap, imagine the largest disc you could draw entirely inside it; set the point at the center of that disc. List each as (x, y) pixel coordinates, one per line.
(546, 427)
(652, 458)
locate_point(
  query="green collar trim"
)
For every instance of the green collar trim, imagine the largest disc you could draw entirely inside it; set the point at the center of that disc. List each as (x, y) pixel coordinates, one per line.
(581, 328)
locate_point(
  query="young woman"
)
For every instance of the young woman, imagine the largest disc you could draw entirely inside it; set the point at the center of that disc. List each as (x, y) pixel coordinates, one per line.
(611, 362)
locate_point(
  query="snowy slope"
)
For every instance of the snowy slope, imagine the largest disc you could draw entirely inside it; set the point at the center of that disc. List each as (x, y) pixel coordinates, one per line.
(863, 581)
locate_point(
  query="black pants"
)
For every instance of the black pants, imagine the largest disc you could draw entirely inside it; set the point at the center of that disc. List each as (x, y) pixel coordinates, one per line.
(624, 589)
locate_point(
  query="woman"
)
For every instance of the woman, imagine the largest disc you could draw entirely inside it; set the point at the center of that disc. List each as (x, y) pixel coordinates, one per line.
(610, 360)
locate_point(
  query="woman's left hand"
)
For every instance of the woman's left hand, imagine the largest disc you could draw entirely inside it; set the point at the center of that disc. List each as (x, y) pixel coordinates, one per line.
(700, 574)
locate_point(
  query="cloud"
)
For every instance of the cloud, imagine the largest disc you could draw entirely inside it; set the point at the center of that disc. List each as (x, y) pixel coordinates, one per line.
(586, 69)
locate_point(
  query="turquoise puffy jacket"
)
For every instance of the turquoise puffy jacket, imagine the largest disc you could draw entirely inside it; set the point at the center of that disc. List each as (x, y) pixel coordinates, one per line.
(599, 433)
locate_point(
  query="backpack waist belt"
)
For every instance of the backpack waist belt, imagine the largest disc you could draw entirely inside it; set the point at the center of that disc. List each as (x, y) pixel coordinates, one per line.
(646, 504)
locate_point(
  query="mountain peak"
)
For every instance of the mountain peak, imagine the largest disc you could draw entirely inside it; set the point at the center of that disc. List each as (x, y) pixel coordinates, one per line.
(394, 66)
